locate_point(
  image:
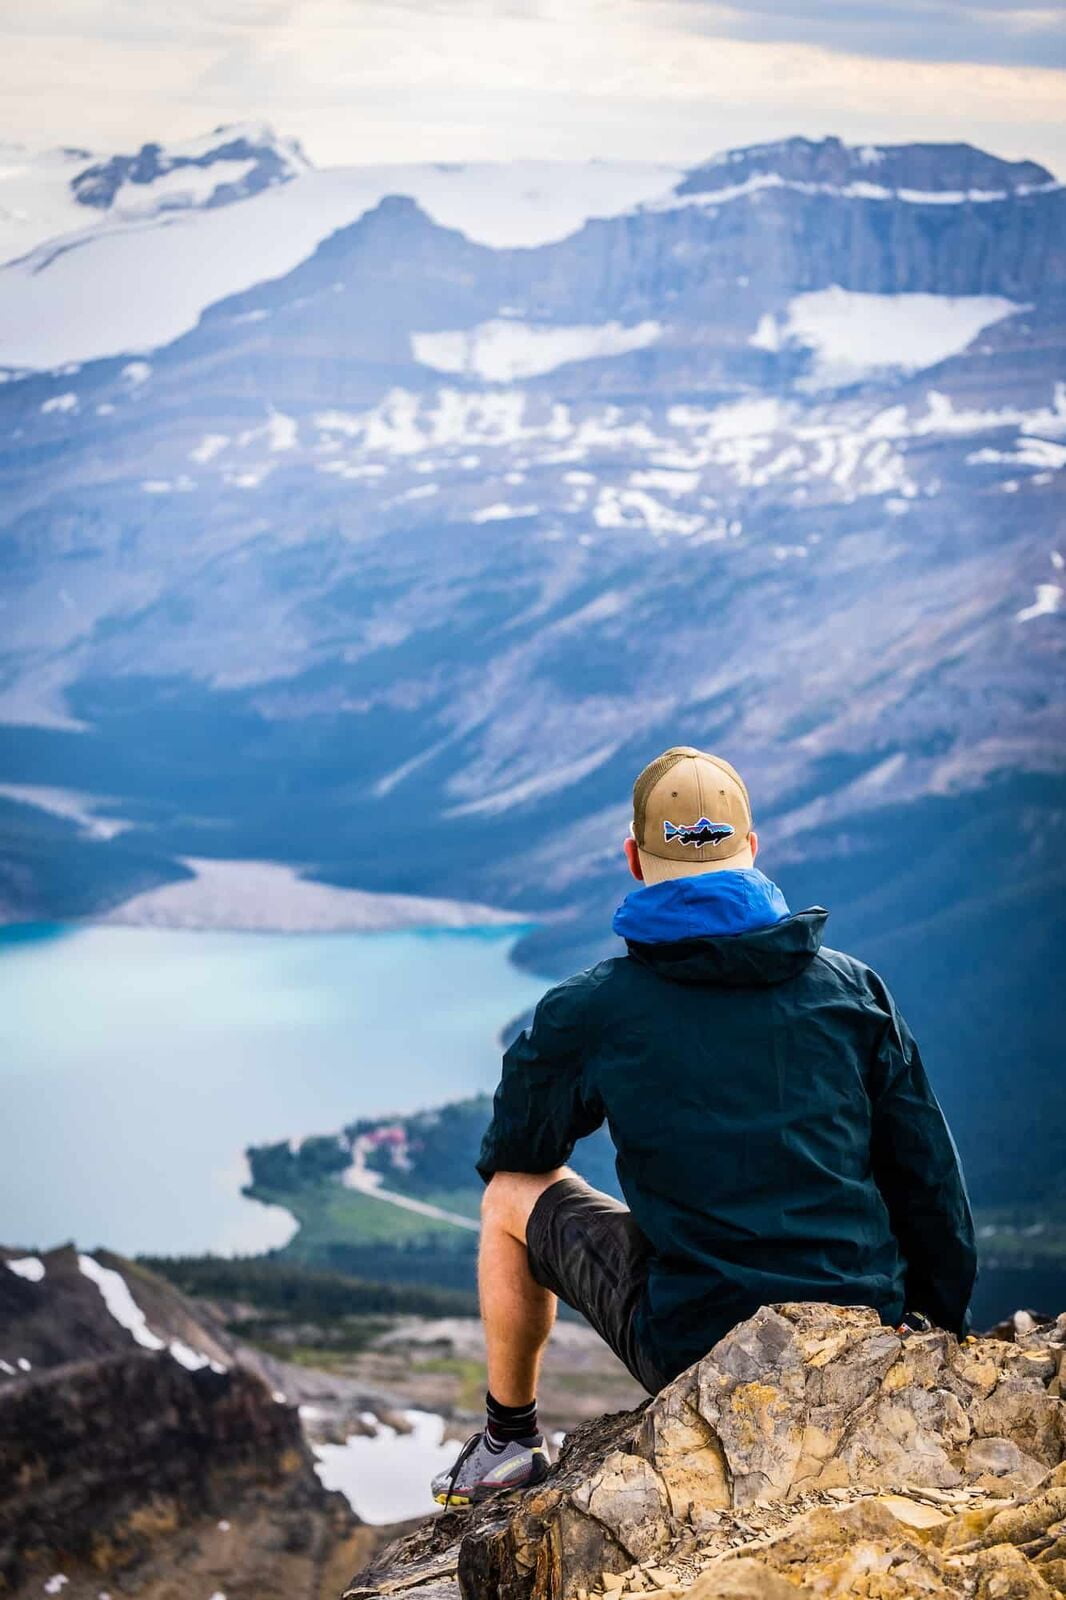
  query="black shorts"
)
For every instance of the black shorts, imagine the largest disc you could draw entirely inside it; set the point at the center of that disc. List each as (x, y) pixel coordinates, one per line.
(587, 1249)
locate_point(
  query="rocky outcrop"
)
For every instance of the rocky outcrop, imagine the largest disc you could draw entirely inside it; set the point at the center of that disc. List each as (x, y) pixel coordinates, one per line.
(122, 180)
(812, 1451)
(99, 1457)
(161, 1462)
(53, 1311)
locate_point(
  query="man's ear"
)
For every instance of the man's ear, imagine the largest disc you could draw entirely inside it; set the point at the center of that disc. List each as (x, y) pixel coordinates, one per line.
(753, 840)
(633, 858)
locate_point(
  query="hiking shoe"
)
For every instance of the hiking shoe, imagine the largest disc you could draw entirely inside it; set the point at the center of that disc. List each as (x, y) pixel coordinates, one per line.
(482, 1469)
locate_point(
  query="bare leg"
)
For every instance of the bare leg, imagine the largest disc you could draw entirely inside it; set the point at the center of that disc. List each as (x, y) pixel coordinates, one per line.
(516, 1311)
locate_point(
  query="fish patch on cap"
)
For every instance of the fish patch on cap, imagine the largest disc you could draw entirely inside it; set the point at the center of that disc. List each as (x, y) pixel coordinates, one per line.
(697, 833)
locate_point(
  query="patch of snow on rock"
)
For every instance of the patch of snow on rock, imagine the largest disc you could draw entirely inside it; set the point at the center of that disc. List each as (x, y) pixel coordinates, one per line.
(60, 402)
(29, 1267)
(503, 351)
(1048, 598)
(192, 1360)
(180, 188)
(120, 1302)
(501, 512)
(853, 334)
(669, 478)
(1029, 452)
(629, 508)
(281, 431)
(209, 447)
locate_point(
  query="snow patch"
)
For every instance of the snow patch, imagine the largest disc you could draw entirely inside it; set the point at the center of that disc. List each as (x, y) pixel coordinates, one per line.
(281, 432)
(120, 1302)
(1048, 599)
(179, 189)
(128, 1314)
(60, 402)
(853, 334)
(29, 1267)
(180, 485)
(858, 189)
(192, 1360)
(503, 351)
(635, 508)
(502, 512)
(209, 447)
(671, 479)
(1042, 454)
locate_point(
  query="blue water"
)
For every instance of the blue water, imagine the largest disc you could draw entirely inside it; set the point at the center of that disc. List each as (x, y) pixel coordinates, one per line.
(137, 1064)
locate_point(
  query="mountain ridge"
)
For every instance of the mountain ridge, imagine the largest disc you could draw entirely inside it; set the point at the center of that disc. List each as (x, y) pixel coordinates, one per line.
(430, 540)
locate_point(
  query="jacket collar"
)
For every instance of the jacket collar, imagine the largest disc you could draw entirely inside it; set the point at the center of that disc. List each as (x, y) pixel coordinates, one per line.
(740, 900)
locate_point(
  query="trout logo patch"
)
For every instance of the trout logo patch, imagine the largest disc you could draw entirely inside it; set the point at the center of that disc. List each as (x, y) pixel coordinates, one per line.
(696, 833)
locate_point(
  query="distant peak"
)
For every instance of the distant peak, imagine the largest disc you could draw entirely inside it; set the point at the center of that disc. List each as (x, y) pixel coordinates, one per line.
(255, 135)
(399, 210)
(229, 163)
(921, 168)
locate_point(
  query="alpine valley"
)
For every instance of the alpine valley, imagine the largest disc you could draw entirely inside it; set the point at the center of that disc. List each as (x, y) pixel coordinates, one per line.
(381, 523)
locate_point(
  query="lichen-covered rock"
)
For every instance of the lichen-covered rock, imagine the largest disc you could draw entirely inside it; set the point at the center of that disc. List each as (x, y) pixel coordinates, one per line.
(813, 1451)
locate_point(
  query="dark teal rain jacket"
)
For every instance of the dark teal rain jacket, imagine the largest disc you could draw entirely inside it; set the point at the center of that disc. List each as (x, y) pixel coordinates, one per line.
(777, 1138)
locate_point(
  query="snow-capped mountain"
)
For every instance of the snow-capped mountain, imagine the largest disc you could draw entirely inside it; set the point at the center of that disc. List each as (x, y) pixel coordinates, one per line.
(48, 194)
(124, 253)
(434, 539)
(919, 174)
(230, 164)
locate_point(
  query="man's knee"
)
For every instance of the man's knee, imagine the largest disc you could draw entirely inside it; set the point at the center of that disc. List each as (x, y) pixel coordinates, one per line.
(510, 1197)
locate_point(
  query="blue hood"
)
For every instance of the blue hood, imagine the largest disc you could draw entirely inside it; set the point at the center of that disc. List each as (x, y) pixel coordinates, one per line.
(736, 901)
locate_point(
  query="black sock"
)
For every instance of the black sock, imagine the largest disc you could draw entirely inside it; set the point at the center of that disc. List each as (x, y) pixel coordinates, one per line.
(503, 1423)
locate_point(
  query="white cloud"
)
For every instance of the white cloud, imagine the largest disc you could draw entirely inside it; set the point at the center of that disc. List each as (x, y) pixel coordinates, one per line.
(371, 80)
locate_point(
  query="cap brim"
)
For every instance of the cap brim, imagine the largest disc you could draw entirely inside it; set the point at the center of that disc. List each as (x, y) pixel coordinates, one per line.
(656, 868)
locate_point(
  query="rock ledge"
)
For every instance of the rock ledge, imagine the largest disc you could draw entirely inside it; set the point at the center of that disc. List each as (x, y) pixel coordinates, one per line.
(811, 1452)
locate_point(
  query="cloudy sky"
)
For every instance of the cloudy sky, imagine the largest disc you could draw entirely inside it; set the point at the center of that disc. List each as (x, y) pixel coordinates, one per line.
(380, 80)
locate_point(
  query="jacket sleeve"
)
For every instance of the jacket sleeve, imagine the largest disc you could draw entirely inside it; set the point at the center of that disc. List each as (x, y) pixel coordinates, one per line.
(541, 1107)
(917, 1169)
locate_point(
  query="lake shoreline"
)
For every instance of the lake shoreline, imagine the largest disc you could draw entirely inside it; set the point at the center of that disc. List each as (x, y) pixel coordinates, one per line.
(138, 1064)
(269, 897)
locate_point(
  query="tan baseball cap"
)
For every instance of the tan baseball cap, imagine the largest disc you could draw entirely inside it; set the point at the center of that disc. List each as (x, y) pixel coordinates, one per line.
(691, 813)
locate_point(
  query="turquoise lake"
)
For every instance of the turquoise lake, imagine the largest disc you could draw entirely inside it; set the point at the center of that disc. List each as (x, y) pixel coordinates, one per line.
(136, 1065)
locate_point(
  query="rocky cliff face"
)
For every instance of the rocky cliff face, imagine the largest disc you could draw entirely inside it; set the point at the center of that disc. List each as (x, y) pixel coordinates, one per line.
(140, 1451)
(115, 1465)
(812, 1452)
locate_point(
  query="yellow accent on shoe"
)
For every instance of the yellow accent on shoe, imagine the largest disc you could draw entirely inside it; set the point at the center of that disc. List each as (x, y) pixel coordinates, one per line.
(457, 1498)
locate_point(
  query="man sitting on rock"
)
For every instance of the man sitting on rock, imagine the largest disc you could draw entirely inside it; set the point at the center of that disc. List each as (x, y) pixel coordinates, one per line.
(776, 1135)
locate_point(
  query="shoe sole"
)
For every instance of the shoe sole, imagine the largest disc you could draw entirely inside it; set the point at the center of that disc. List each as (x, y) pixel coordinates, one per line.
(461, 1499)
